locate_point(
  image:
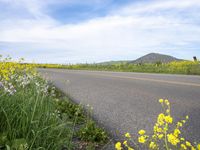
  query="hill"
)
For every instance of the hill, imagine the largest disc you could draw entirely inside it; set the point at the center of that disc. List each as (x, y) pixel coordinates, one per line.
(155, 57)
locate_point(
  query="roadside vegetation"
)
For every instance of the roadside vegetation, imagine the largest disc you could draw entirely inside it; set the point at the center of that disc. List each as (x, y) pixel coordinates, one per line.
(166, 134)
(35, 115)
(176, 67)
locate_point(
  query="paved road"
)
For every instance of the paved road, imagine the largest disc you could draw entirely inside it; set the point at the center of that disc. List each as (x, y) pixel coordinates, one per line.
(129, 101)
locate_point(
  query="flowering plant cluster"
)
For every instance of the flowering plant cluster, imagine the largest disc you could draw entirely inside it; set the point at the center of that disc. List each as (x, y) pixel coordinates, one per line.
(36, 115)
(166, 134)
(18, 75)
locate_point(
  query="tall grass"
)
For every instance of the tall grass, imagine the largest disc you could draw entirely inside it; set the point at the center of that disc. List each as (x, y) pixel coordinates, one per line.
(28, 119)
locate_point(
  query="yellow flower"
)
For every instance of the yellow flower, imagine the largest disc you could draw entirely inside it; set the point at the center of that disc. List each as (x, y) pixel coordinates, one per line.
(192, 148)
(160, 119)
(128, 135)
(187, 117)
(177, 132)
(173, 139)
(167, 102)
(168, 111)
(183, 146)
(168, 119)
(188, 144)
(160, 136)
(183, 121)
(182, 139)
(142, 132)
(179, 124)
(129, 148)
(141, 139)
(158, 129)
(161, 100)
(152, 145)
(125, 143)
(118, 146)
(198, 146)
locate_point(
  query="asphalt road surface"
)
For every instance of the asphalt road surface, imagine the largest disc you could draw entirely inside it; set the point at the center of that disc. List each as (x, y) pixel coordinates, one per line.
(127, 102)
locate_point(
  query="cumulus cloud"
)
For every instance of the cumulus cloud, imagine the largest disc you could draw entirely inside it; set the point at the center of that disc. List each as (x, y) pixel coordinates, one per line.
(168, 27)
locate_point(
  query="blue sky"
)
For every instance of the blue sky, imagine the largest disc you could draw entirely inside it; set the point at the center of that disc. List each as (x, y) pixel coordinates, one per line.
(77, 31)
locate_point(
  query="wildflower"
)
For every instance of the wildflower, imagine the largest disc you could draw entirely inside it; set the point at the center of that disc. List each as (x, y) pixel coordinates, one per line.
(183, 121)
(179, 124)
(160, 100)
(177, 132)
(141, 139)
(125, 143)
(160, 136)
(198, 146)
(118, 146)
(160, 119)
(187, 117)
(182, 139)
(188, 144)
(183, 146)
(168, 111)
(167, 102)
(152, 145)
(141, 132)
(168, 119)
(129, 148)
(128, 135)
(173, 139)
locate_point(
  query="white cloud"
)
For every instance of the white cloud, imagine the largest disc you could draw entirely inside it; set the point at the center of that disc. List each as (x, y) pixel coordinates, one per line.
(126, 33)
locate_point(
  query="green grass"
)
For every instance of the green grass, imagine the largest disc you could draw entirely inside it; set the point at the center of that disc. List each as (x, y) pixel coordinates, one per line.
(182, 67)
(33, 119)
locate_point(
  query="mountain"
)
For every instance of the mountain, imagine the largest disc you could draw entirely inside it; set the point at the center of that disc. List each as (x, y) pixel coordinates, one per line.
(155, 57)
(149, 58)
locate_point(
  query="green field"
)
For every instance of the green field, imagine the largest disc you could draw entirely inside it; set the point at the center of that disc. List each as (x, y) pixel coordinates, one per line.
(181, 67)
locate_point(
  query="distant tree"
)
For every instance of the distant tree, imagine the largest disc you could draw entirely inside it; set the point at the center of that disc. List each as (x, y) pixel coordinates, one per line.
(158, 63)
(195, 58)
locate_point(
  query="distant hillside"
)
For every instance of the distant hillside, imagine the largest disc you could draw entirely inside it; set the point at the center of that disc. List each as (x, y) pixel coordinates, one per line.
(155, 57)
(149, 58)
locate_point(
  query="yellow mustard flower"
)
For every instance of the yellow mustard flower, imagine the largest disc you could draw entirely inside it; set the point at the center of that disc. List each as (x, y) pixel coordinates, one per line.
(177, 132)
(188, 143)
(168, 111)
(142, 132)
(152, 145)
(167, 102)
(173, 139)
(182, 139)
(141, 139)
(159, 129)
(129, 148)
(198, 146)
(161, 100)
(183, 146)
(118, 146)
(179, 124)
(160, 119)
(128, 135)
(125, 143)
(183, 121)
(168, 119)
(160, 136)
(192, 148)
